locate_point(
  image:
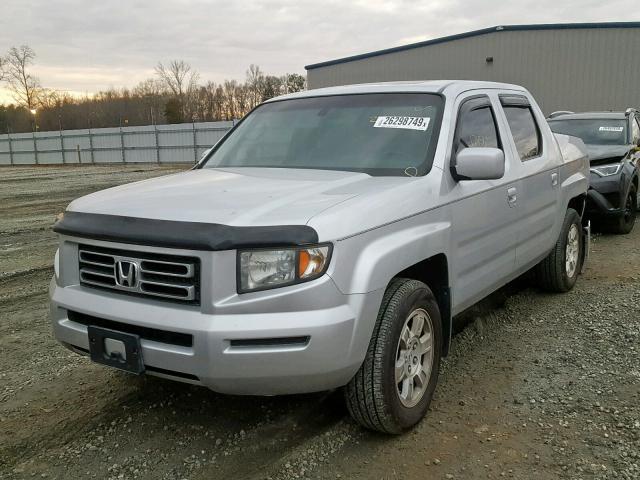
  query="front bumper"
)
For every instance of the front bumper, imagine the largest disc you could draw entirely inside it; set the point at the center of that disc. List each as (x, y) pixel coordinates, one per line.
(303, 338)
(606, 195)
(598, 205)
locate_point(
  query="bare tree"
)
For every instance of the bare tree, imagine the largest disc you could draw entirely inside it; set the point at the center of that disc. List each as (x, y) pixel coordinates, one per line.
(179, 78)
(173, 96)
(229, 91)
(24, 86)
(255, 84)
(207, 102)
(49, 99)
(150, 87)
(243, 100)
(152, 93)
(218, 103)
(3, 68)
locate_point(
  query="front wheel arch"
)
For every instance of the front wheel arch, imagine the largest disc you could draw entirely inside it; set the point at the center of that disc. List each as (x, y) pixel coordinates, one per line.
(434, 272)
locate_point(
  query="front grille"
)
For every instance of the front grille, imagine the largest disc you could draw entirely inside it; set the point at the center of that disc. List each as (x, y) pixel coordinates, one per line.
(165, 277)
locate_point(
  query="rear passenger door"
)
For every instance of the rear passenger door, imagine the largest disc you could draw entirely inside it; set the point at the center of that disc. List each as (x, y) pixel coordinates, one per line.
(539, 195)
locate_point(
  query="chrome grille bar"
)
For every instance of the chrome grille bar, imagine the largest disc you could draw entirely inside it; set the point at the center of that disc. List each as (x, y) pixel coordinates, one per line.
(172, 269)
(147, 274)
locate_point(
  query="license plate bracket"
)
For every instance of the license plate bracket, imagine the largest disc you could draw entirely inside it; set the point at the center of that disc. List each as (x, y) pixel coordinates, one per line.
(115, 349)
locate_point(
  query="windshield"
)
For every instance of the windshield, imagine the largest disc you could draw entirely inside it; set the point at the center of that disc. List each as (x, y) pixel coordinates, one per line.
(379, 134)
(593, 131)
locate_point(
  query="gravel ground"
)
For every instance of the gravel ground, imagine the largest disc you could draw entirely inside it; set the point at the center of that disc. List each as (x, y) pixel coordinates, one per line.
(539, 386)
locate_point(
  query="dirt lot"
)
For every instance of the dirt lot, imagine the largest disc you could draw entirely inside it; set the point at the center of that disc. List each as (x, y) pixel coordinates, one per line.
(539, 386)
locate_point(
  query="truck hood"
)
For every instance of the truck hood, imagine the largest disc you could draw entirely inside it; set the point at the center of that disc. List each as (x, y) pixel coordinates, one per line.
(606, 153)
(237, 197)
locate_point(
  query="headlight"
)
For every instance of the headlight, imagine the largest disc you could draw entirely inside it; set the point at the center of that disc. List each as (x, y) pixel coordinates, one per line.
(56, 264)
(607, 170)
(262, 269)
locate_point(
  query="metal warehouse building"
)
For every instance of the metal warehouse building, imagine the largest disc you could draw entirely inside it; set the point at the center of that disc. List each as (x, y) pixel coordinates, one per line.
(580, 66)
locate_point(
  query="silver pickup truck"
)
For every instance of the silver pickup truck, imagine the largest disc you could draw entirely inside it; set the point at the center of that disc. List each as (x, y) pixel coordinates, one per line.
(327, 241)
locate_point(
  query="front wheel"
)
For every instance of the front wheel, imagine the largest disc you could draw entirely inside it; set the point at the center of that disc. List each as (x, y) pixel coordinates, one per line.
(559, 271)
(392, 390)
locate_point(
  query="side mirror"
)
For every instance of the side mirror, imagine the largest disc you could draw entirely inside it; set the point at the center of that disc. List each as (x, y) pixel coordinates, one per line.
(480, 163)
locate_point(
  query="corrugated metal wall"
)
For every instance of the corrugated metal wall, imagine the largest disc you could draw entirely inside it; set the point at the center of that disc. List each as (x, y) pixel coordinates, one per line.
(565, 69)
(184, 142)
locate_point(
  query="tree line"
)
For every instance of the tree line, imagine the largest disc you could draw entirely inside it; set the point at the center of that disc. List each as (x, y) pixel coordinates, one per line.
(174, 94)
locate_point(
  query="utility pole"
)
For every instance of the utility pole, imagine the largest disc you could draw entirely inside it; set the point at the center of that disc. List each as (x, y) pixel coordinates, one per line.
(61, 137)
(34, 112)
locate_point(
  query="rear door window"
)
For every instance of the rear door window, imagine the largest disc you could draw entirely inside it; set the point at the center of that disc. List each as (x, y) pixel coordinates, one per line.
(525, 131)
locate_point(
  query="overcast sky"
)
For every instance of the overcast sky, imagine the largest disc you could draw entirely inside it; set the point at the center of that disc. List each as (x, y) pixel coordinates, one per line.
(89, 45)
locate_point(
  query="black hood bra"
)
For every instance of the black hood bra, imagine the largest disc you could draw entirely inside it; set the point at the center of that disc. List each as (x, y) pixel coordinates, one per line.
(175, 234)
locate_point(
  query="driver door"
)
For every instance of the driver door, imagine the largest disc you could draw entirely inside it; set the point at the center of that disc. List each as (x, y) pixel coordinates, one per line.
(484, 234)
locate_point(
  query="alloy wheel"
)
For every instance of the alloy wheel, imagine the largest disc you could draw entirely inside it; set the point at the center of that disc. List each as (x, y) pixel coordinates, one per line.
(414, 358)
(572, 251)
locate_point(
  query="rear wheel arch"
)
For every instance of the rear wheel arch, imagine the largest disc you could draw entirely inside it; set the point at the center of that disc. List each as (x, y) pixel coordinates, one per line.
(578, 203)
(556, 273)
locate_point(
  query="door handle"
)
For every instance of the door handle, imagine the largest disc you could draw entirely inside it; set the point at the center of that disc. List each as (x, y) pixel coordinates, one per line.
(512, 196)
(554, 179)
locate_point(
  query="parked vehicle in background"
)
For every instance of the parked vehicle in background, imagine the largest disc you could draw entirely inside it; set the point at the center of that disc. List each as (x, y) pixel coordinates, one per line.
(558, 113)
(613, 142)
(326, 241)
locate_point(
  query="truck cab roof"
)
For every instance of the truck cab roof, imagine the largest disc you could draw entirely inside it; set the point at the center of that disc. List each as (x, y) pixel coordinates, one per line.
(447, 87)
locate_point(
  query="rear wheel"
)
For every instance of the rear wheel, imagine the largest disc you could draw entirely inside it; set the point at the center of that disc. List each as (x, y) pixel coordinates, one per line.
(392, 390)
(559, 271)
(624, 224)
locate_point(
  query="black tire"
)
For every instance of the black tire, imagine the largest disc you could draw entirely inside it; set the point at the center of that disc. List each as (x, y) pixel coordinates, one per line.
(372, 394)
(624, 223)
(551, 273)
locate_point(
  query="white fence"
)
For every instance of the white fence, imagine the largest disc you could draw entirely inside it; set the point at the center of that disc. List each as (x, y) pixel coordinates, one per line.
(180, 143)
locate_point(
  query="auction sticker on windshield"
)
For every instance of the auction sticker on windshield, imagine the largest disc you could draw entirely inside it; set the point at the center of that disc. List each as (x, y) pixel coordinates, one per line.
(409, 123)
